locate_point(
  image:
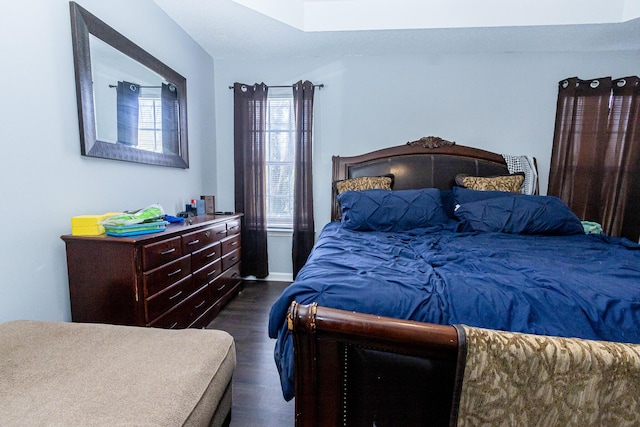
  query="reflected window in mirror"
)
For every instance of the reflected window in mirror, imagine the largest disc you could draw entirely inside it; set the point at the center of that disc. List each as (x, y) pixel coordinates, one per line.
(146, 117)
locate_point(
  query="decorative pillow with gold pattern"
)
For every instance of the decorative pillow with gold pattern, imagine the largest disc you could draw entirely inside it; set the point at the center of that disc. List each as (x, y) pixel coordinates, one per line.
(364, 183)
(510, 183)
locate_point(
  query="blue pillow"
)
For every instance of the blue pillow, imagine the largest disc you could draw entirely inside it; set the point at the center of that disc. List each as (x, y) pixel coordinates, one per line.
(383, 210)
(520, 214)
(463, 195)
(448, 202)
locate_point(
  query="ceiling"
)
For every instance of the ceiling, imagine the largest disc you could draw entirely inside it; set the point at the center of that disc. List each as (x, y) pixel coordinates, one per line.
(316, 28)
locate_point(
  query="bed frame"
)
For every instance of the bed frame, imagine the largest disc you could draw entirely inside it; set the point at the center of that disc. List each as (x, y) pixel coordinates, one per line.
(353, 369)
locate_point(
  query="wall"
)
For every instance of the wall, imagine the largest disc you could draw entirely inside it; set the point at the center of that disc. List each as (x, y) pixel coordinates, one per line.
(45, 180)
(499, 102)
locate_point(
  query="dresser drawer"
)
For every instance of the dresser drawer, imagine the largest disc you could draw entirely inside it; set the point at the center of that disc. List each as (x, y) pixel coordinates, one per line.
(205, 275)
(224, 283)
(185, 313)
(192, 242)
(230, 259)
(163, 277)
(205, 256)
(168, 298)
(233, 227)
(230, 244)
(198, 303)
(178, 317)
(156, 254)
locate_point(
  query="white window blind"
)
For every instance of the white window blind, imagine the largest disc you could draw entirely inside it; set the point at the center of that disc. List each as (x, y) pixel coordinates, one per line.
(280, 158)
(150, 121)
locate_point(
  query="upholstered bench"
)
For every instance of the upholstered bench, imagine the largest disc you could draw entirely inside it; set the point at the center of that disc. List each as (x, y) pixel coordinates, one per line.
(77, 374)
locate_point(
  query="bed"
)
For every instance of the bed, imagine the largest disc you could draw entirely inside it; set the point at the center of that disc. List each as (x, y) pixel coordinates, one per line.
(379, 314)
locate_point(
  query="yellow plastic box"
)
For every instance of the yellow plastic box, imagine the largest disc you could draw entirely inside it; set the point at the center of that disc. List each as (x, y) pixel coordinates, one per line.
(89, 225)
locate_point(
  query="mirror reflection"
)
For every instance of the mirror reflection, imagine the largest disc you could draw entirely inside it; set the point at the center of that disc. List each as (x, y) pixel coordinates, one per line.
(134, 105)
(131, 106)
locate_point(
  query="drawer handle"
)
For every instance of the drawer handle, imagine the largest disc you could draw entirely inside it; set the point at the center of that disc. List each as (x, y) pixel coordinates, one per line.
(174, 272)
(211, 255)
(235, 242)
(222, 232)
(234, 275)
(194, 242)
(212, 272)
(201, 304)
(176, 295)
(167, 252)
(207, 234)
(173, 325)
(235, 227)
(222, 287)
(233, 258)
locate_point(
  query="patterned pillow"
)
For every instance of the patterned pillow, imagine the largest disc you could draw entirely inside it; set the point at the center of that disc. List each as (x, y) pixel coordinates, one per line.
(510, 183)
(364, 183)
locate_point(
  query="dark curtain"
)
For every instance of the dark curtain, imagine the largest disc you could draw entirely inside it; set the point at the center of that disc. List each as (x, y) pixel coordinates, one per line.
(170, 138)
(127, 116)
(303, 222)
(621, 183)
(250, 108)
(594, 162)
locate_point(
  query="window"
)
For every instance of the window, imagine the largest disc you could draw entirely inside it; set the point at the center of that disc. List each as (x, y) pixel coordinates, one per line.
(150, 120)
(280, 127)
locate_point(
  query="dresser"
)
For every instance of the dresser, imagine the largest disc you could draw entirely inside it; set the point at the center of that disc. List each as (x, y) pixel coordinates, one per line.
(178, 278)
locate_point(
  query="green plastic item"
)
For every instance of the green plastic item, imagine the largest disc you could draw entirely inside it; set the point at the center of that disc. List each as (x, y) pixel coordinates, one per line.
(591, 227)
(151, 213)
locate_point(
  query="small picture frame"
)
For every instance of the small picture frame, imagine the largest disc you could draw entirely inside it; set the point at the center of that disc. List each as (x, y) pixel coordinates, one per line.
(209, 204)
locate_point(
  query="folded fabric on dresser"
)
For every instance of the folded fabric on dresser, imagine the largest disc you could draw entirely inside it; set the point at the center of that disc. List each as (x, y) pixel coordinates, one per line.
(524, 379)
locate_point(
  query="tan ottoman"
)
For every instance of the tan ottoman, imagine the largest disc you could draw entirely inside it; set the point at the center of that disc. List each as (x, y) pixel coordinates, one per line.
(76, 374)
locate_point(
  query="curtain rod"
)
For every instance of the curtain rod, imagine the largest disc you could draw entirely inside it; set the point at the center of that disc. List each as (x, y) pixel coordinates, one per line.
(320, 86)
(144, 87)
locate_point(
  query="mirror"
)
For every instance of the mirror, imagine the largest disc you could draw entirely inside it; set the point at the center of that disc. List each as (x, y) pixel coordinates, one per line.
(131, 106)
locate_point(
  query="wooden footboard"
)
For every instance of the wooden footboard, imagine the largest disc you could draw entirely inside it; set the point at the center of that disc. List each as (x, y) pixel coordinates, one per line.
(353, 369)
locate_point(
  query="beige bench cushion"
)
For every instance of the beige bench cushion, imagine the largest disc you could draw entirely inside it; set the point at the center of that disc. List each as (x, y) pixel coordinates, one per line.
(69, 374)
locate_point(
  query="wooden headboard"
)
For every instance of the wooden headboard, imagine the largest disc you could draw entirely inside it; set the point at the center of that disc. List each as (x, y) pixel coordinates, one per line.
(416, 167)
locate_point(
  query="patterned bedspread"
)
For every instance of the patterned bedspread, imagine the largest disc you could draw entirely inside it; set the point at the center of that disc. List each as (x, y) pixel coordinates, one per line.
(515, 379)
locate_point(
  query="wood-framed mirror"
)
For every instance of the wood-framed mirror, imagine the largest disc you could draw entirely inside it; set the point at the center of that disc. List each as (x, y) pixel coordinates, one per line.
(131, 106)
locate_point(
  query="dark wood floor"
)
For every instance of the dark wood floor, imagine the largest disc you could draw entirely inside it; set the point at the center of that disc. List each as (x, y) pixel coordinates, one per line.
(257, 396)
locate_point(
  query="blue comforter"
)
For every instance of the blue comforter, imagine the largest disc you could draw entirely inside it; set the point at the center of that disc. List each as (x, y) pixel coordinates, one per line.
(585, 286)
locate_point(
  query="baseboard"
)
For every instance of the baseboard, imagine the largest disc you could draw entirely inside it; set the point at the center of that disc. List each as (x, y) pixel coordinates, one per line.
(274, 277)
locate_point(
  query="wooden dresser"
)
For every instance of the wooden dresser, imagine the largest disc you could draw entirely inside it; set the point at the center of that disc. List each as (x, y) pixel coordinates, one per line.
(178, 278)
